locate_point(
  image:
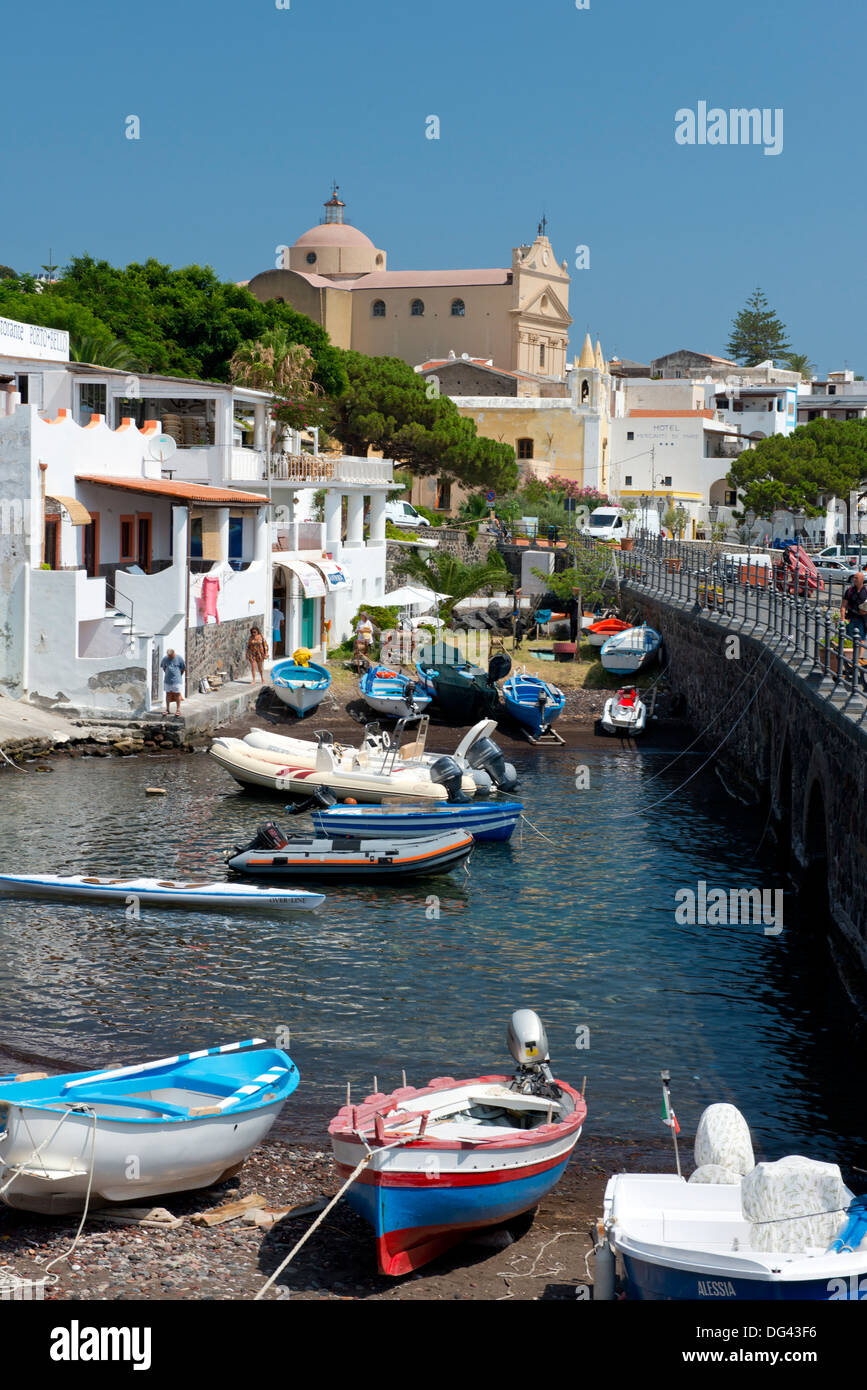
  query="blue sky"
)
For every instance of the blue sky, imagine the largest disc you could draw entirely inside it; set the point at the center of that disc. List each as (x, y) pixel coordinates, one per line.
(248, 111)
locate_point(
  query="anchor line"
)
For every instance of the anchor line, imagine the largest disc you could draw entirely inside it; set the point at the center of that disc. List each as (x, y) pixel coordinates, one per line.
(701, 735)
(713, 752)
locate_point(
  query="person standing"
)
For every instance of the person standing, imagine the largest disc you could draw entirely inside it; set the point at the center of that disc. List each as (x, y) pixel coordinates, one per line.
(173, 668)
(257, 654)
(363, 639)
(854, 609)
(277, 617)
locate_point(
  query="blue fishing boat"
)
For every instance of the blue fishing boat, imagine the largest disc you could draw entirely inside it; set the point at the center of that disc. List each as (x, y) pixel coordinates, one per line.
(432, 1164)
(484, 820)
(392, 693)
(190, 1120)
(532, 702)
(300, 684)
(631, 651)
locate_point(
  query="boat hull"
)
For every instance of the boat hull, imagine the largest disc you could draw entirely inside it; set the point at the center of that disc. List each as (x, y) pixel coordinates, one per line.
(300, 699)
(199, 1154)
(484, 822)
(414, 1224)
(648, 1282)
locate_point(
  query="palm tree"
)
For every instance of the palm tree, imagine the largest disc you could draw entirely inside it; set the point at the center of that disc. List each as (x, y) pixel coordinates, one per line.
(274, 363)
(800, 362)
(445, 574)
(103, 352)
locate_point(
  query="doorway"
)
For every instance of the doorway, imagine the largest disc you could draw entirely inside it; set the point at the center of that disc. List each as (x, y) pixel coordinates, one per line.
(90, 546)
(143, 541)
(308, 614)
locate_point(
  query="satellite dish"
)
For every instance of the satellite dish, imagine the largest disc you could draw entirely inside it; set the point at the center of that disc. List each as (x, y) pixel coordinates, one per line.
(162, 447)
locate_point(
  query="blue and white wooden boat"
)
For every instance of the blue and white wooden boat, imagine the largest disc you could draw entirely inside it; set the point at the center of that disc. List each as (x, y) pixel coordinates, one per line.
(301, 687)
(186, 1121)
(158, 892)
(630, 651)
(485, 820)
(392, 693)
(457, 1156)
(532, 702)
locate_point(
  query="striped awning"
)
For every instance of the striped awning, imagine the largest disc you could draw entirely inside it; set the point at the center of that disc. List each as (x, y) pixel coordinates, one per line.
(312, 582)
(78, 514)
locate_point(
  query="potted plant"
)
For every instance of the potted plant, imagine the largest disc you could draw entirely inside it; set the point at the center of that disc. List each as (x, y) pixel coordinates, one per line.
(628, 515)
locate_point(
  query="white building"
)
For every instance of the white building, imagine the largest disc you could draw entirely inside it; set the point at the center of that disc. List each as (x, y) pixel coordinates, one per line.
(123, 530)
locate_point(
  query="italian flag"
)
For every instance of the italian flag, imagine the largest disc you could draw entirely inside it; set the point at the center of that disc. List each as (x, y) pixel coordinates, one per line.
(668, 1116)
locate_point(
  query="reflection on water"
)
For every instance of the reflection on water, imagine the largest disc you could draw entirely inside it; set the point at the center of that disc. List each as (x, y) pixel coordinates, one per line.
(578, 925)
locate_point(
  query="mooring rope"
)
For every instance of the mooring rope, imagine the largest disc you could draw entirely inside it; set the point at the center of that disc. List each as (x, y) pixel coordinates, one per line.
(320, 1218)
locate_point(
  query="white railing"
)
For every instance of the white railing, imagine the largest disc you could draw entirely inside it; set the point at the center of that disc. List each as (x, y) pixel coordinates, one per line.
(316, 471)
(348, 469)
(246, 465)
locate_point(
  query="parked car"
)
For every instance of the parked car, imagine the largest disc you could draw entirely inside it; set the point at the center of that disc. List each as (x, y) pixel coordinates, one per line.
(834, 571)
(403, 514)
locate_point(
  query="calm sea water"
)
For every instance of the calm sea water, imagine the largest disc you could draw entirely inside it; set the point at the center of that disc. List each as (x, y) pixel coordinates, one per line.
(578, 925)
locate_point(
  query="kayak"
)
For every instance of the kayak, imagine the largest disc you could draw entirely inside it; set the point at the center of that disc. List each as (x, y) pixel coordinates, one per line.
(157, 892)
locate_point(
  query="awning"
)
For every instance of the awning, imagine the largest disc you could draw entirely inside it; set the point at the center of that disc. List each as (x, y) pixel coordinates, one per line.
(312, 581)
(338, 579)
(78, 514)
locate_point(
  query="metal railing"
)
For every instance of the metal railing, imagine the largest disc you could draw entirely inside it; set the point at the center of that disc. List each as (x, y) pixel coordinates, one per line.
(753, 598)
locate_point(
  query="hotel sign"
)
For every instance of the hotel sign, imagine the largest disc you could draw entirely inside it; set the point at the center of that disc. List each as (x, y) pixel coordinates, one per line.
(31, 340)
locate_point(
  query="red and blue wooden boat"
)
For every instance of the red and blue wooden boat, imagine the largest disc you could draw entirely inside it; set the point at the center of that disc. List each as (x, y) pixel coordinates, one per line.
(454, 1156)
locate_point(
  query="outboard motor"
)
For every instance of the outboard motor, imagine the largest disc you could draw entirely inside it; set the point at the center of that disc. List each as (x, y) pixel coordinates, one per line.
(485, 754)
(446, 772)
(268, 836)
(320, 799)
(528, 1044)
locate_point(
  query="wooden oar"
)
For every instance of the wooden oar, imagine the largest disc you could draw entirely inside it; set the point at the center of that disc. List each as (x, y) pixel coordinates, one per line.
(161, 1062)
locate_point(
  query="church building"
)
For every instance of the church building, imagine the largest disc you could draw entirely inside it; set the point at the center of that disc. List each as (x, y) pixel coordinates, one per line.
(517, 315)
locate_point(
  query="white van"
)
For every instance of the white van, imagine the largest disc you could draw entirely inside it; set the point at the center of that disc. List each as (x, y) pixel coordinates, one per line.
(607, 524)
(403, 514)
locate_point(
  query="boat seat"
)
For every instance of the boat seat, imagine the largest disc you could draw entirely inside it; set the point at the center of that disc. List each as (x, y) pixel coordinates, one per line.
(723, 1140)
(794, 1204)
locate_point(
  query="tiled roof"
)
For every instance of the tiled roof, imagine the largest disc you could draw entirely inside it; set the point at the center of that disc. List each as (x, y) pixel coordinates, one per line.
(670, 414)
(199, 493)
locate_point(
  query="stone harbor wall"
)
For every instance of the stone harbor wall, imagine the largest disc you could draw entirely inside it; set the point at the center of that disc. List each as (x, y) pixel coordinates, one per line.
(791, 743)
(220, 646)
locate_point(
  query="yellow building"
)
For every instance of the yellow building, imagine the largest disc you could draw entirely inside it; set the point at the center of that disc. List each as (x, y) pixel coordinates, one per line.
(517, 315)
(564, 435)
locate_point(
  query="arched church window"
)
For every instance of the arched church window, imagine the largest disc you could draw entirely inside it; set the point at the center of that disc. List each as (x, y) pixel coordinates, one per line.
(417, 308)
(378, 309)
(585, 390)
(459, 308)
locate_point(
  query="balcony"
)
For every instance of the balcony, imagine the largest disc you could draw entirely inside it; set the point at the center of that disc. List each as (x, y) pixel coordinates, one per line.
(309, 471)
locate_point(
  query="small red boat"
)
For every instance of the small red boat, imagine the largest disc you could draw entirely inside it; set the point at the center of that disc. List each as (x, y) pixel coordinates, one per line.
(598, 633)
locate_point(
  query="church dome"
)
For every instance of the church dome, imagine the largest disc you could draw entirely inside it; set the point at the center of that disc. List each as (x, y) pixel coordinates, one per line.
(334, 234)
